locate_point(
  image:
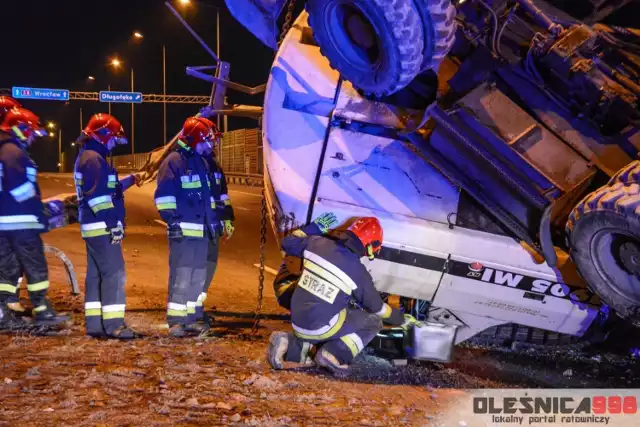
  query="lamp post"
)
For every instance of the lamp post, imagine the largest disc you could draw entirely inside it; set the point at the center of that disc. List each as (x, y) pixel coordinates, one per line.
(187, 3)
(116, 63)
(52, 126)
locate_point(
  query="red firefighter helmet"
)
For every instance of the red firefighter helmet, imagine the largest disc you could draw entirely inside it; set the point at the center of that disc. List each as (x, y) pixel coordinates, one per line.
(369, 231)
(6, 104)
(22, 123)
(197, 130)
(103, 127)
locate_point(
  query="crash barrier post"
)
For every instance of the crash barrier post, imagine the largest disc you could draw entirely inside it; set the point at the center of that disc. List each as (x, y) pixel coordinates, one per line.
(68, 266)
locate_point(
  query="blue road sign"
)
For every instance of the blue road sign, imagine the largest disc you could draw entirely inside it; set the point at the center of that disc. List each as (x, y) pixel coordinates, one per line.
(124, 97)
(42, 94)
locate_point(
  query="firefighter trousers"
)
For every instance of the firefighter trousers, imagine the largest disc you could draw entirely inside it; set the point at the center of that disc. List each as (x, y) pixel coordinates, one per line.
(187, 276)
(105, 298)
(213, 249)
(352, 330)
(23, 252)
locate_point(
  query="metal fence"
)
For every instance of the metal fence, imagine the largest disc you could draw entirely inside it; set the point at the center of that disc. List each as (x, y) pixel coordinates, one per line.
(130, 161)
(240, 153)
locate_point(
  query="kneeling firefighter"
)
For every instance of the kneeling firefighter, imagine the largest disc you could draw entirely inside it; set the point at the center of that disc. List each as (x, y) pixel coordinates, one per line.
(102, 224)
(291, 268)
(321, 313)
(185, 202)
(22, 219)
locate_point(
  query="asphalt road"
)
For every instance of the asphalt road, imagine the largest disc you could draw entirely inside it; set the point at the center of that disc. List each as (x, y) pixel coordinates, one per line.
(146, 251)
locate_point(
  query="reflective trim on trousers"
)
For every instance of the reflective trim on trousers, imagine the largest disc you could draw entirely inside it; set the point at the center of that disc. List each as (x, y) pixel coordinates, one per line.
(201, 298)
(113, 311)
(176, 310)
(7, 287)
(93, 308)
(191, 307)
(354, 343)
(324, 332)
(40, 308)
(39, 286)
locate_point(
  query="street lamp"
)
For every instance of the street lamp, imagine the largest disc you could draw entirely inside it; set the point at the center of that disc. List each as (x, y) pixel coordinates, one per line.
(52, 125)
(92, 78)
(185, 2)
(138, 35)
(117, 63)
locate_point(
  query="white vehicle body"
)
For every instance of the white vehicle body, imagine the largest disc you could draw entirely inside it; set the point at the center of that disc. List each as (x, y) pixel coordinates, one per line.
(473, 279)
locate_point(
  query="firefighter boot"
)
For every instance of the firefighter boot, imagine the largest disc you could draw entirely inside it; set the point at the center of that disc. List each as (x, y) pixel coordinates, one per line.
(326, 360)
(45, 315)
(9, 321)
(277, 350)
(124, 333)
(183, 331)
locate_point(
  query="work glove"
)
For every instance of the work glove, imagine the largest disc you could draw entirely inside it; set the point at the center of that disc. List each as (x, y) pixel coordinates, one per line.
(325, 221)
(174, 232)
(395, 319)
(409, 321)
(228, 228)
(117, 234)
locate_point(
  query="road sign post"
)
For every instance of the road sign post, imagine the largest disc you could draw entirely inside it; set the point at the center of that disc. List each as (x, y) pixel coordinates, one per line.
(41, 94)
(121, 97)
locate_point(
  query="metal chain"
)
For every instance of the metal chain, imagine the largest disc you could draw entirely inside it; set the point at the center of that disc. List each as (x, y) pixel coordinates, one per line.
(263, 221)
(263, 249)
(288, 20)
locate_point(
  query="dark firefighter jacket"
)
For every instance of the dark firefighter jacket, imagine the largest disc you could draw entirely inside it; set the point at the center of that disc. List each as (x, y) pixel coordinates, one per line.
(20, 203)
(100, 192)
(184, 196)
(332, 276)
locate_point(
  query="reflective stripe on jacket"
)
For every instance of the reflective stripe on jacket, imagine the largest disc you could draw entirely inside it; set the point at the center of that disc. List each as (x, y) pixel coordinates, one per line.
(100, 194)
(184, 196)
(20, 202)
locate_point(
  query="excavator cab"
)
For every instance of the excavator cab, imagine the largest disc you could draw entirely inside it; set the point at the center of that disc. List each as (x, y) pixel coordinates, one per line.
(260, 17)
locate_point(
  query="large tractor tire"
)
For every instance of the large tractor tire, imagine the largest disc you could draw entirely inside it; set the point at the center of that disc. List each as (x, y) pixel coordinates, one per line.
(628, 174)
(604, 231)
(377, 45)
(439, 26)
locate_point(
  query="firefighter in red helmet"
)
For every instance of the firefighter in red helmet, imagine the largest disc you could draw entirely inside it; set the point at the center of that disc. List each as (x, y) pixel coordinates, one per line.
(185, 200)
(102, 224)
(7, 103)
(321, 312)
(22, 217)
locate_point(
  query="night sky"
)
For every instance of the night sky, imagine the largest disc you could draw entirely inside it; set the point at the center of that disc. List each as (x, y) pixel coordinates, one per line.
(59, 43)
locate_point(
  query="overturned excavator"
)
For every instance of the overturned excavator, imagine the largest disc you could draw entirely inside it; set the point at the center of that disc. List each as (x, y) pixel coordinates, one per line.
(496, 141)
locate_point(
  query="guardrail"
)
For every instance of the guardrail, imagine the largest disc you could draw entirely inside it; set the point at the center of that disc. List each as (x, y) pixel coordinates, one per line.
(239, 155)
